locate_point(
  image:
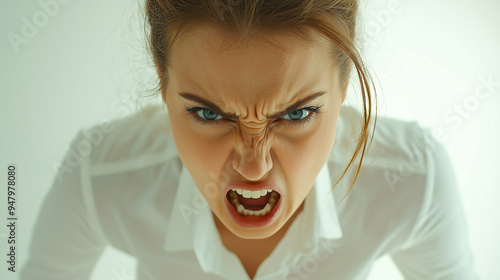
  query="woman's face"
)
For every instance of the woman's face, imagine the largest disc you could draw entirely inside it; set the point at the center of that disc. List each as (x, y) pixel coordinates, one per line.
(244, 121)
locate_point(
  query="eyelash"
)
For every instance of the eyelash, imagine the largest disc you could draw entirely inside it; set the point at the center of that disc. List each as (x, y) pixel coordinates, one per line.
(313, 109)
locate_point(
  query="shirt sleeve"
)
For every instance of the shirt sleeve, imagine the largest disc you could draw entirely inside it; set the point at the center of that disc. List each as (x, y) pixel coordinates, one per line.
(438, 246)
(64, 245)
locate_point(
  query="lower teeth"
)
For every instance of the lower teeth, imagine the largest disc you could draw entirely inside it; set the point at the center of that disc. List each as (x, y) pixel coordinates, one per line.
(242, 211)
(247, 212)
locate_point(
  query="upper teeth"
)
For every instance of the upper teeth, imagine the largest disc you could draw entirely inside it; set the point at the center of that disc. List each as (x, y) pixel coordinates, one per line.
(252, 194)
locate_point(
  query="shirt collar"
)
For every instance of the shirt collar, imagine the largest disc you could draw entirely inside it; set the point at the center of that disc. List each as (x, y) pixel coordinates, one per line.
(326, 223)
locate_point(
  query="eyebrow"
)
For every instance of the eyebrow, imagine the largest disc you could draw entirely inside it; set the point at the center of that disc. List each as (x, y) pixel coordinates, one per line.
(216, 109)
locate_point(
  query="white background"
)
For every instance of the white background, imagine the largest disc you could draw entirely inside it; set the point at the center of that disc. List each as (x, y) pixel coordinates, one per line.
(87, 63)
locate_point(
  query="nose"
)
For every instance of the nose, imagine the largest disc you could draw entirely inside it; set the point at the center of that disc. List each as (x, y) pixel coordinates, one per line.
(252, 162)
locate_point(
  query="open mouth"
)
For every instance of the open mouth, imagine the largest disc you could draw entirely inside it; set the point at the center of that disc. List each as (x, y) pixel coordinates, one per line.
(253, 203)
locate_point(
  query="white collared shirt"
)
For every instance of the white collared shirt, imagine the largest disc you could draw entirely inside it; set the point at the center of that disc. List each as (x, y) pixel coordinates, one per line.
(124, 185)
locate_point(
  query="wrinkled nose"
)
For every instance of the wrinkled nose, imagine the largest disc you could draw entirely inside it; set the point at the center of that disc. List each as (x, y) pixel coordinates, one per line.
(253, 159)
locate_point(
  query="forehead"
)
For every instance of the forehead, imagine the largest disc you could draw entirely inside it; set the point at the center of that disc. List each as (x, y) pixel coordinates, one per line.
(270, 65)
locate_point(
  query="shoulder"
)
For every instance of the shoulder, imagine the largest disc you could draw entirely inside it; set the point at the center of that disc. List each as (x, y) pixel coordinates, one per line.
(401, 153)
(127, 164)
(396, 157)
(396, 183)
(395, 144)
(133, 138)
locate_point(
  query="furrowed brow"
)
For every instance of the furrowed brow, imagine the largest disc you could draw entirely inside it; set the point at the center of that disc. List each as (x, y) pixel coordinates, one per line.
(208, 104)
(297, 105)
(217, 110)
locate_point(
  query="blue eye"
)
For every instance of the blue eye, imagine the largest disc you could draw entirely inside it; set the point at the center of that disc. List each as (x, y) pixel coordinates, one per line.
(204, 116)
(301, 116)
(208, 114)
(297, 115)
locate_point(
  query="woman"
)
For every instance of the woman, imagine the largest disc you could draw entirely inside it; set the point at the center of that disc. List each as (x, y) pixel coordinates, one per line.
(234, 181)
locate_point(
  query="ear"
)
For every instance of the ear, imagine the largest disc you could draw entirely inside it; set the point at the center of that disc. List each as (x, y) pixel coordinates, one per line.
(346, 83)
(344, 89)
(159, 71)
(160, 76)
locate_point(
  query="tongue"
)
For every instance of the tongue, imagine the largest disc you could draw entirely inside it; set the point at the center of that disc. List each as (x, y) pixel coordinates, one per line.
(254, 203)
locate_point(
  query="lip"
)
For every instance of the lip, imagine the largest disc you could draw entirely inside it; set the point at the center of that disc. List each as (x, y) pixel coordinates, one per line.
(252, 221)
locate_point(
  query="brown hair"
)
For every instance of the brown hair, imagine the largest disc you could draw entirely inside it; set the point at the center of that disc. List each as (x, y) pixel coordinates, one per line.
(335, 20)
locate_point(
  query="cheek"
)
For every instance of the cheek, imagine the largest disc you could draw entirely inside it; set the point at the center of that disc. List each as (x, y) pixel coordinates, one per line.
(315, 146)
(202, 155)
(305, 156)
